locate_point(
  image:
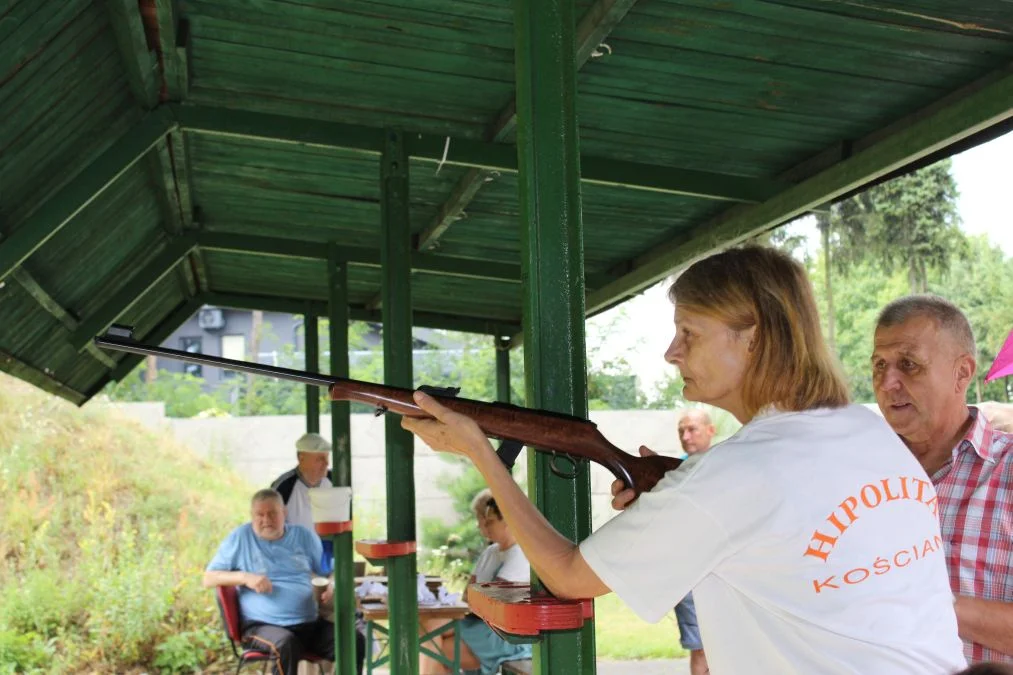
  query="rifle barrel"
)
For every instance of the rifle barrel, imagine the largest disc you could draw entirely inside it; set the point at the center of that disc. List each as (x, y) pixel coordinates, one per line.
(128, 345)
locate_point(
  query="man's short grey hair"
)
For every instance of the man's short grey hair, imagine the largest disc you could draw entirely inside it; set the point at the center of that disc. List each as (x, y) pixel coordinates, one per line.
(265, 495)
(946, 315)
(699, 413)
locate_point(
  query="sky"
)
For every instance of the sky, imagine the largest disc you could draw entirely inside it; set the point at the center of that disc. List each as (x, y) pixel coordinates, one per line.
(984, 175)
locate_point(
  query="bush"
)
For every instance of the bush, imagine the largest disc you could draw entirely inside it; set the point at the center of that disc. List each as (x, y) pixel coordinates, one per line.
(106, 531)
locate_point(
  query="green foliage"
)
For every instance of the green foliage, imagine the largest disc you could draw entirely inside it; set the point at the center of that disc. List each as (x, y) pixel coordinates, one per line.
(25, 652)
(461, 540)
(105, 534)
(183, 394)
(909, 223)
(984, 291)
(188, 651)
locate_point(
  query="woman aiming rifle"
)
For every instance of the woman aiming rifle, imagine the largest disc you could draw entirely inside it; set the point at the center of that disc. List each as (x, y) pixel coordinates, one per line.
(809, 538)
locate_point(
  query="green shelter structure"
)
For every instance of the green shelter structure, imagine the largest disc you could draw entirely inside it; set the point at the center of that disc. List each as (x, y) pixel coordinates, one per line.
(503, 168)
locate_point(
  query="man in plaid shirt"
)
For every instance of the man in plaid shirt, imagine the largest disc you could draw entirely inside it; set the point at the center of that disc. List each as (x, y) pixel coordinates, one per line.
(922, 364)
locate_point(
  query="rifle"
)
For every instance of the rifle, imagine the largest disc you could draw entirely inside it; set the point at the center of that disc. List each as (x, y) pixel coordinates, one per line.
(542, 430)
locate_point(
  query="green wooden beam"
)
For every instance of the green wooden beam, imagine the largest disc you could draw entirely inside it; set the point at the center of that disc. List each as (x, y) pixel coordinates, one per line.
(597, 22)
(42, 379)
(48, 303)
(266, 303)
(171, 54)
(311, 338)
(156, 336)
(341, 443)
(552, 253)
(139, 63)
(395, 257)
(420, 262)
(467, 153)
(129, 292)
(974, 109)
(82, 190)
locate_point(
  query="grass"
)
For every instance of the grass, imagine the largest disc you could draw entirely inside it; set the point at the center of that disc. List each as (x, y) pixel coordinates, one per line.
(105, 532)
(621, 635)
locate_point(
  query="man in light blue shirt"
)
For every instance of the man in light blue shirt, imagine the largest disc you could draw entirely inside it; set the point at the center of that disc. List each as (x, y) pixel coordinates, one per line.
(272, 564)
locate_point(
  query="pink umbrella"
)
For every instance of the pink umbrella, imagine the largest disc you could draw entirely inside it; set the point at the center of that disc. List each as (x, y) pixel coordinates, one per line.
(1003, 364)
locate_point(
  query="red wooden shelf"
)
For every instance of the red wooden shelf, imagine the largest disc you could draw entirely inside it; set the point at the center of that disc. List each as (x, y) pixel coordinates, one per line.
(376, 549)
(340, 527)
(515, 609)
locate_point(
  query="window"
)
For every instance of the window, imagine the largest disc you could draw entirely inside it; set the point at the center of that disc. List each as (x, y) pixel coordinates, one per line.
(233, 347)
(192, 345)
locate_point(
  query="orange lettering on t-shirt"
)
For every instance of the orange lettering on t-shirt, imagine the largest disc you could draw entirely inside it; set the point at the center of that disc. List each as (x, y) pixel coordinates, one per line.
(870, 497)
(824, 540)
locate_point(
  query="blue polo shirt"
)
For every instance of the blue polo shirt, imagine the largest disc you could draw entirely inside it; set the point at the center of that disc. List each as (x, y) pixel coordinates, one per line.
(287, 562)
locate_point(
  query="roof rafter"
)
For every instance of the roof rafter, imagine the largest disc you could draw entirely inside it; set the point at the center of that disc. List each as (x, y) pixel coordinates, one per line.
(958, 116)
(83, 189)
(357, 255)
(599, 20)
(48, 303)
(42, 379)
(463, 324)
(129, 292)
(469, 153)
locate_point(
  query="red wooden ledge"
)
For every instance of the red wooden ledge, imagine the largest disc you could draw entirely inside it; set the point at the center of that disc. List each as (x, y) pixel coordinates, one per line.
(338, 527)
(515, 609)
(376, 549)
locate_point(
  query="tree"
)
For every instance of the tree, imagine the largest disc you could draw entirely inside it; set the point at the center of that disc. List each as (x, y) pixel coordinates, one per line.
(909, 223)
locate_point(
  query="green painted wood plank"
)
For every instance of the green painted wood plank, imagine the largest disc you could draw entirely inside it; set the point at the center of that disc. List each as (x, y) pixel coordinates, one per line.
(985, 105)
(354, 17)
(26, 30)
(139, 63)
(592, 29)
(100, 174)
(126, 294)
(352, 52)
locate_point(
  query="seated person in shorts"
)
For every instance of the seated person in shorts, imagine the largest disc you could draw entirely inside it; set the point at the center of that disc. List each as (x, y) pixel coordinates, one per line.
(481, 648)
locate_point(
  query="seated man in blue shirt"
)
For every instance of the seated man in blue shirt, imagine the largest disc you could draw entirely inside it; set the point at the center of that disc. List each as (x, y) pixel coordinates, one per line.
(272, 563)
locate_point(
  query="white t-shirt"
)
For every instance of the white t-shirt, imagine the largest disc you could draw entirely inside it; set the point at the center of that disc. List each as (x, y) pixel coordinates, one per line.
(810, 542)
(298, 509)
(508, 565)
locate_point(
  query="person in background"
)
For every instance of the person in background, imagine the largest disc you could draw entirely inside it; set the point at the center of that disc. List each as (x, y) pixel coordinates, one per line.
(696, 431)
(272, 563)
(481, 648)
(922, 365)
(313, 456)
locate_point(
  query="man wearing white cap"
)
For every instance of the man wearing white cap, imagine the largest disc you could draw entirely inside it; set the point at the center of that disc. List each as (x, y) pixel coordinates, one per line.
(313, 453)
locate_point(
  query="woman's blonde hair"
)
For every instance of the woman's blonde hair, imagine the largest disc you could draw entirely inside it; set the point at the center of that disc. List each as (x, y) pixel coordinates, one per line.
(790, 366)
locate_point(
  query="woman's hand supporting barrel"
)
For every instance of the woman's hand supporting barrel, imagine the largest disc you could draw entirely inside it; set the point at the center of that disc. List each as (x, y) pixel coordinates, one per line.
(555, 559)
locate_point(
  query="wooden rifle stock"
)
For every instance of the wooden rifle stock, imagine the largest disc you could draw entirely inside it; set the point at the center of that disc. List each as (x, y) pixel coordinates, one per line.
(541, 429)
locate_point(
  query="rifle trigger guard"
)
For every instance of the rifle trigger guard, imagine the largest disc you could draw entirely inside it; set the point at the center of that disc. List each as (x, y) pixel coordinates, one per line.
(571, 474)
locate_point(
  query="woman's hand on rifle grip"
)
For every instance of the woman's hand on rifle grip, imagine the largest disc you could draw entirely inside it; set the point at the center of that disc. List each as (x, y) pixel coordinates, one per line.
(621, 495)
(447, 431)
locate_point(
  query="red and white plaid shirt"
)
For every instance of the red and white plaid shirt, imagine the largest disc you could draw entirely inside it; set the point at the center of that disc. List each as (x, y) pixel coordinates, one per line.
(975, 490)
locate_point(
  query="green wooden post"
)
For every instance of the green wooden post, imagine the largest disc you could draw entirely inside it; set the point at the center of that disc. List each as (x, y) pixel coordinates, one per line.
(395, 257)
(312, 335)
(341, 435)
(553, 273)
(502, 370)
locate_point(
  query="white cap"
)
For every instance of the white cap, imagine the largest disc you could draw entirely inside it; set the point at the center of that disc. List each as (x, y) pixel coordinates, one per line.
(313, 443)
